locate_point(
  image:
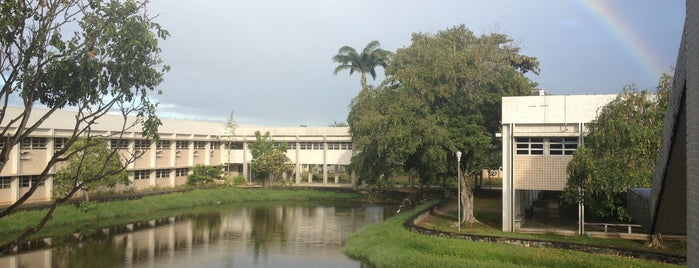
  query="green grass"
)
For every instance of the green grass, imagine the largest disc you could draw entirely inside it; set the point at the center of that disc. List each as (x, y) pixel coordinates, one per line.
(70, 219)
(389, 244)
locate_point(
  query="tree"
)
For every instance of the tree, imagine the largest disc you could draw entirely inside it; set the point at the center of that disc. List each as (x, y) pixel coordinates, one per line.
(93, 57)
(365, 62)
(620, 151)
(229, 127)
(269, 157)
(442, 94)
(202, 174)
(338, 124)
(92, 165)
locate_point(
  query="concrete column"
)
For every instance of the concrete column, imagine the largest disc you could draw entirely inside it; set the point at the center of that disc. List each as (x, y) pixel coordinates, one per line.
(310, 174)
(190, 152)
(297, 168)
(337, 175)
(245, 159)
(507, 180)
(325, 160)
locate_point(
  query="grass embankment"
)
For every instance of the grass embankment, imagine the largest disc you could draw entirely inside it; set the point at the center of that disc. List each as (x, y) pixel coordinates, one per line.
(389, 244)
(69, 219)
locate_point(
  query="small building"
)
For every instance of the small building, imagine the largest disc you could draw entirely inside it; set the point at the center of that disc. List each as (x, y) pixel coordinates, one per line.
(539, 135)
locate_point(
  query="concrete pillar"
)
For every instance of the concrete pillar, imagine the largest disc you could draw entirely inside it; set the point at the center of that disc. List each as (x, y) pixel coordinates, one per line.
(310, 174)
(297, 168)
(325, 160)
(245, 160)
(337, 175)
(507, 180)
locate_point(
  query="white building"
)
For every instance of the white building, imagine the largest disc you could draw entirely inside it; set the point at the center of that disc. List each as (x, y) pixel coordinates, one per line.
(539, 136)
(183, 144)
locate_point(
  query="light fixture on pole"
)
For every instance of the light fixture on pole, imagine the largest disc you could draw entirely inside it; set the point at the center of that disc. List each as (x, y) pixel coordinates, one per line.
(458, 183)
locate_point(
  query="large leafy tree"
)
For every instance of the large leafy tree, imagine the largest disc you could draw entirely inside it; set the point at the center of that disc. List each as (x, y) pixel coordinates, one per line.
(92, 165)
(442, 95)
(363, 62)
(92, 56)
(269, 158)
(620, 151)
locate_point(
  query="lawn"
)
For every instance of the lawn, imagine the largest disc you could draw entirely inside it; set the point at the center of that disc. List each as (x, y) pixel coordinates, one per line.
(389, 244)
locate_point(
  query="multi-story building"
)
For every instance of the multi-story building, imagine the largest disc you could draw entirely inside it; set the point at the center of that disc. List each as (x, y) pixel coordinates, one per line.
(539, 136)
(167, 162)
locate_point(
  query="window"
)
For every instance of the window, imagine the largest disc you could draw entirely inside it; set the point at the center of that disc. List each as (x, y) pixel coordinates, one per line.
(3, 140)
(141, 174)
(199, 145)
(142, 144)
(317, 146)
(291, 146)
(117, 143)
(305, 146)
(59, 143)
(214, 145)
(163, 145)
(181, 172)
(33, 143)
(28, 181)
(5, 182)
(182, 145)
(346, 146)
(530, 146)
(563, 146)
(162, 173)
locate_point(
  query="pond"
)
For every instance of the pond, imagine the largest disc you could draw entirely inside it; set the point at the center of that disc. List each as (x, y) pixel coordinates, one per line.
(260, 235)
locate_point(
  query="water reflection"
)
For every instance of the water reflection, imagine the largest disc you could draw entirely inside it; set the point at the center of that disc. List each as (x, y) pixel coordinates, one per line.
(255, 236)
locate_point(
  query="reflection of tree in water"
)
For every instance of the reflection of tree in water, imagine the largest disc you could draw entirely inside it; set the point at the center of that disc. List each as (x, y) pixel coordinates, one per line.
(98, 250)
(267, 226)
(205, 224)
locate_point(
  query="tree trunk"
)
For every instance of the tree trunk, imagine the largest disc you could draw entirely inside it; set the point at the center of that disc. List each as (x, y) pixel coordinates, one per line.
(656, 241)
(363, 81)
(467, 203)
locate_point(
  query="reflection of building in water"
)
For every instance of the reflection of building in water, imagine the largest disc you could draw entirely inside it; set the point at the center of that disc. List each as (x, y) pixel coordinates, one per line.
(241, 233)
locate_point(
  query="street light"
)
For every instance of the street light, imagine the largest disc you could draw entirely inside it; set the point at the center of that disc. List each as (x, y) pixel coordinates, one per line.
(458, 184)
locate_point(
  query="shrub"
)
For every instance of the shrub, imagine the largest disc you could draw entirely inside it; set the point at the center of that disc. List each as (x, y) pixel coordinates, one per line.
(202, 174)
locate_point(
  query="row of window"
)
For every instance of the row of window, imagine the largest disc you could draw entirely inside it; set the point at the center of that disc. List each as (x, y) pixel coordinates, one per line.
(59, 143)
(546, 146)
(24, 181)
(159, 173)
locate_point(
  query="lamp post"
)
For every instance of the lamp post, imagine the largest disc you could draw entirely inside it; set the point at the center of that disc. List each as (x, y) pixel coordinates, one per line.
(458, 183)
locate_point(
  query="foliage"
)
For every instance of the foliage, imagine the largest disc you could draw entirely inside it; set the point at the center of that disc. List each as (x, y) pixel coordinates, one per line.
(620, 151)
(339, 124)
(273, 164)
(442, 94)
(237, 181)
(269, 158)
(365, 62)
(202, 174)
(92, 165)
(91, 56)
(229, 141)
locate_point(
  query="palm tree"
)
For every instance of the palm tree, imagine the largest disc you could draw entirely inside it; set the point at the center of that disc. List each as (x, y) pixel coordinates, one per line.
(365, 62)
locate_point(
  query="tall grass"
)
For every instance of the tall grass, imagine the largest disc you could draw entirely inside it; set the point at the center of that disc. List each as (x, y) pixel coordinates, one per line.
(71, 218)
(389, 244)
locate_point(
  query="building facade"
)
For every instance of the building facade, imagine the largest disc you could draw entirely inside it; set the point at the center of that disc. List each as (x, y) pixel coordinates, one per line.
(183, 144)
(539, 136)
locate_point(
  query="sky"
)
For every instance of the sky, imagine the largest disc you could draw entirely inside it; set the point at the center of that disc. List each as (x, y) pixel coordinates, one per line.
(269, 61)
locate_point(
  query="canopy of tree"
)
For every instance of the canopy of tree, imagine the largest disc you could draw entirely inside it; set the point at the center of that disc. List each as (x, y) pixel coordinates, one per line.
(620, 151)
(363, 62)
(269, 160)
(442, 94)
(92, 56)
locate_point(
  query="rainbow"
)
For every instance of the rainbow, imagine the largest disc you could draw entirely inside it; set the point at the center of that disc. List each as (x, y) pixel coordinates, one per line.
(610, 18)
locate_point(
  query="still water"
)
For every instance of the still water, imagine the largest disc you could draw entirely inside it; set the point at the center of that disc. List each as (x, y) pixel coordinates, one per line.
(261, 235)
